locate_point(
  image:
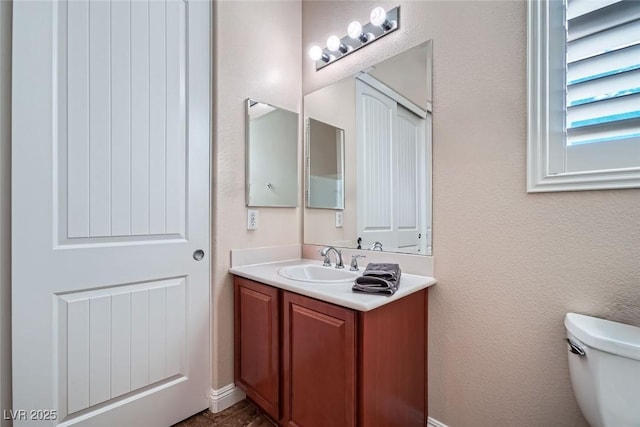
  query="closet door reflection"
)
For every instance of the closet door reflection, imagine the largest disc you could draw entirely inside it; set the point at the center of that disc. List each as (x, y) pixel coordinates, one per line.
(391, 184)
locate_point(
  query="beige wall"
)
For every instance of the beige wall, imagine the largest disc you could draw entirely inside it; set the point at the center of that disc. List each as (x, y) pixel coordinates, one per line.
(5, 206)
(257, 54)
(509, 264)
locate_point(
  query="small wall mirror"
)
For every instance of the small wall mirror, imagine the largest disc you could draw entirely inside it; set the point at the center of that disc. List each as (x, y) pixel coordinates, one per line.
(325, 165)
(271, 156)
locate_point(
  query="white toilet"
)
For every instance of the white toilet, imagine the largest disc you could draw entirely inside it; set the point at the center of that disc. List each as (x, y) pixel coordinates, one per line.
(604, 364)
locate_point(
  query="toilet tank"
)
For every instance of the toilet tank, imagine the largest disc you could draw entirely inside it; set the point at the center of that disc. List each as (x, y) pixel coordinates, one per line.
(606, 380)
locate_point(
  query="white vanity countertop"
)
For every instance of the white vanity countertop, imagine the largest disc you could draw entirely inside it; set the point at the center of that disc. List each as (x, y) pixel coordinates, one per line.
(336, 293)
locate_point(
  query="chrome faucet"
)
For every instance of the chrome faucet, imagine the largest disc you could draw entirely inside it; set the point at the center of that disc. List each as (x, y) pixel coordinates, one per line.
(376, 246)
(327, 260)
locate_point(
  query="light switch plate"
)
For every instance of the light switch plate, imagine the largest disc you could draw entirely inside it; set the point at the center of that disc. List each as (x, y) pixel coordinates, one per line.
(338, 219)
(252, 219)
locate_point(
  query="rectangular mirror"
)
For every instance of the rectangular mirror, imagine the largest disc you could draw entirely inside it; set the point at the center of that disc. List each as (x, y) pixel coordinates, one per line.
(325, 165)
(386, 114)
(271, 156)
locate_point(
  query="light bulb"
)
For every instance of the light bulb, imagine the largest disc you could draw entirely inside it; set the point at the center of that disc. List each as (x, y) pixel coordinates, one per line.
(333, 43)
(354, 30)
(315, 52)
(378, 16)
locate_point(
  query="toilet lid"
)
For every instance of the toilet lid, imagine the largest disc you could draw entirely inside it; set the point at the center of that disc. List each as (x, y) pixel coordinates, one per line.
(605, 335)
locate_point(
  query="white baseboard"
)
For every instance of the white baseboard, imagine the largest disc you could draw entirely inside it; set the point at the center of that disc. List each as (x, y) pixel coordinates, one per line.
(225, 397)
(434, 423)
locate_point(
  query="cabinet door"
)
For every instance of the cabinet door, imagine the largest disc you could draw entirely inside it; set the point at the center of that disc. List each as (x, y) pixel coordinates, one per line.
(257, 351)
(319, 363)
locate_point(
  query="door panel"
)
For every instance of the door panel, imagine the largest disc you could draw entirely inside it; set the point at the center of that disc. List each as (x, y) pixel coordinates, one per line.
(104, 48)
(95, 328)
(110, 200)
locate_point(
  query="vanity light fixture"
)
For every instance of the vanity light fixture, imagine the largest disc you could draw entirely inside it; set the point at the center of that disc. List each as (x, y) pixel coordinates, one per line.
(358, 35)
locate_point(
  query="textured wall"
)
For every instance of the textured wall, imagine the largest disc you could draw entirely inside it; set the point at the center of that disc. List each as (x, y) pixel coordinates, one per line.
(5, 207)
(509, 264)
(257, 55)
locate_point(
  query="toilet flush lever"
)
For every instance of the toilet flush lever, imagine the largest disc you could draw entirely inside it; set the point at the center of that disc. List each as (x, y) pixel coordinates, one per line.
(575, 348)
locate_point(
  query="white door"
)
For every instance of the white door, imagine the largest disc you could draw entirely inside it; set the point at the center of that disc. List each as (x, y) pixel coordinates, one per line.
(391, 169)
(111, 136)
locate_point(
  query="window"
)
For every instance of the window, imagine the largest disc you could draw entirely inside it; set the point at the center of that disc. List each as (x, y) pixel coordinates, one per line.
(584, 95)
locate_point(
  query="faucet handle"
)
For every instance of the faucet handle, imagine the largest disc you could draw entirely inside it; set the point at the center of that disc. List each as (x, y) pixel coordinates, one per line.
(327, 261)
(354, 262)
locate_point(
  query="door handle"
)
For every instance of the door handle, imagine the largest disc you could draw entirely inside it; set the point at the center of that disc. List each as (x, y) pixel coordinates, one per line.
(198, 255)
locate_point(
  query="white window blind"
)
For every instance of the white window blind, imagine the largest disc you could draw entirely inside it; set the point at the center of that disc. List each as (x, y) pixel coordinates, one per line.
(602, 85)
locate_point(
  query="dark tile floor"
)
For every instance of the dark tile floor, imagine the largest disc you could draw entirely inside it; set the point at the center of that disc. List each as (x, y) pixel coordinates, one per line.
(242, 414)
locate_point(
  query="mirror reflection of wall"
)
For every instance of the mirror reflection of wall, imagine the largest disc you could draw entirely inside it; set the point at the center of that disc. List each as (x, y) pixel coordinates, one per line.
(272, 156)
(387, 156)
(325, 175)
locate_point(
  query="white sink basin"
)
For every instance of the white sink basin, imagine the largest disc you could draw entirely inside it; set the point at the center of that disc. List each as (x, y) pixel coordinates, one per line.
(317, 274)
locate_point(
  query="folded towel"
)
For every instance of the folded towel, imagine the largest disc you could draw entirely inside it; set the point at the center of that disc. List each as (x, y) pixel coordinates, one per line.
(382, 278)
(387, 271)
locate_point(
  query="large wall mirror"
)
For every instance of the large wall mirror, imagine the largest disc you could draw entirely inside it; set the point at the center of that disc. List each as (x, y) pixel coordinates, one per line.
(271, 156)
(385, 114)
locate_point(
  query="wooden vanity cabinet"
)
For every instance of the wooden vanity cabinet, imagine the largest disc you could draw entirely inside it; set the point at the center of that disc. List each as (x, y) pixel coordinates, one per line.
(334, 367)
